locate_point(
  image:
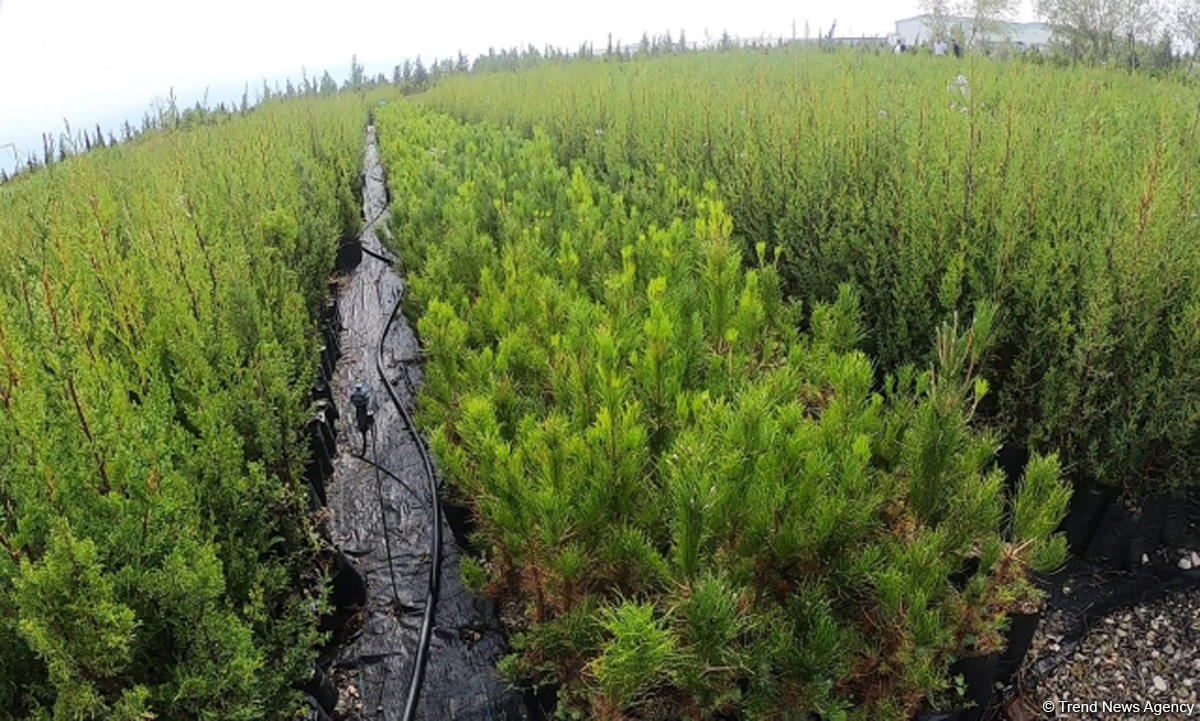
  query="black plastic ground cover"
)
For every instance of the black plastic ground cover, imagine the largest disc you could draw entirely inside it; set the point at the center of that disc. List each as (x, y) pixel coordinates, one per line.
(1123, 554)
(373, 660)
(1084, 594)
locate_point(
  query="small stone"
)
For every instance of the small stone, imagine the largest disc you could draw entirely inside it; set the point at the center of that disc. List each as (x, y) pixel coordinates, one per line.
(1185, 563)
(1195, 559)
(1159, 684)
(1145, 559)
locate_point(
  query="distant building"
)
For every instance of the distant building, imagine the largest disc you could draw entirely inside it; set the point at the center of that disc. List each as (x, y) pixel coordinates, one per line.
(921, 30)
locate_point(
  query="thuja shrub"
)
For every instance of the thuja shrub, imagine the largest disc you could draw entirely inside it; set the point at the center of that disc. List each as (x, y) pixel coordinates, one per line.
(1063, 195)
(159, 305)
(689, 508)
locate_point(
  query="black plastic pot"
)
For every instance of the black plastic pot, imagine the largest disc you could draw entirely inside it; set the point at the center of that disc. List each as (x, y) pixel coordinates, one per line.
(320, 437)
(541, 702)
(462, 523)
(319, 467)
(349, 256)
(328, 360)
(331, 312)
(326, 367)
(314, 500)
(959, 578)
(315, 477)
(329, 410)
(315, 712)
(320, 688)
(349, 588)
(1110, 543)
(326, 431)
(1147, 533)
(1175, 522)
(937, 716)
(332, 339)
(1012, 460)
(1133, 544)
(979, 672)
(334, 623)
(321, 390)
(1020, 636)
(1083, 516)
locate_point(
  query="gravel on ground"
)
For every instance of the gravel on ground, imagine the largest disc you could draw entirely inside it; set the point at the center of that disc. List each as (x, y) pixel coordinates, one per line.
(1146, 655)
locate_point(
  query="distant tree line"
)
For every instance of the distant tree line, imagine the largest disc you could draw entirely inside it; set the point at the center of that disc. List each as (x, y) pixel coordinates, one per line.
(411, 76)
(169, 115)
(1147, 35)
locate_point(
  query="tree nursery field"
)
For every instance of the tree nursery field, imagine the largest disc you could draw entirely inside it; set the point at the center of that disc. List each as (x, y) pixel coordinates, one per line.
(721, 351)
(159, 302)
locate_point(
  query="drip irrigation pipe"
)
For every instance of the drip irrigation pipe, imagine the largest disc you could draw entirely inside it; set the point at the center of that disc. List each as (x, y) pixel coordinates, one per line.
(350, 253)
(377, 256)
(435, 545)
(399, 481)
(370, 225)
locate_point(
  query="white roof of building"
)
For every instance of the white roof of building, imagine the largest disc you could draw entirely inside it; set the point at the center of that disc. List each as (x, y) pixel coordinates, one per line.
(1029, 33)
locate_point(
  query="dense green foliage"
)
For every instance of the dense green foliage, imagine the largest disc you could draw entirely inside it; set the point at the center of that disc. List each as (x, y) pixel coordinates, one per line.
(1063, 196)
(694, 510)
(158, 302)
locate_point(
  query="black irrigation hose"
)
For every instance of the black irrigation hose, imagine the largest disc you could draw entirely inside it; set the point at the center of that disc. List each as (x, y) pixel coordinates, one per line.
(365, 250)
(435, 562)
(377, 256)
(435, 546)
(399, 481)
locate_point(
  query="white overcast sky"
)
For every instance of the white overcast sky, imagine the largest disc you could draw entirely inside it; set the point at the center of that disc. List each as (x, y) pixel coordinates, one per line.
(98, 61)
